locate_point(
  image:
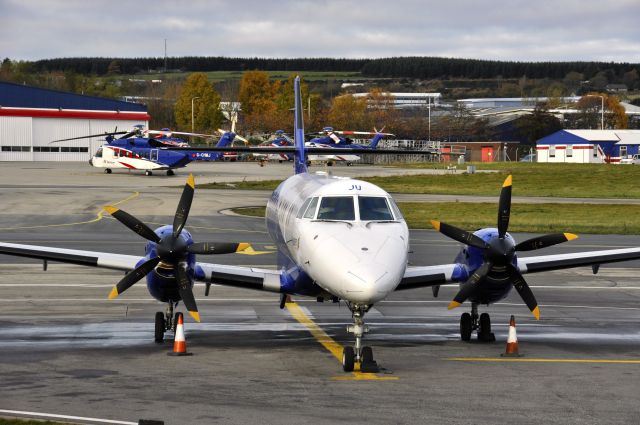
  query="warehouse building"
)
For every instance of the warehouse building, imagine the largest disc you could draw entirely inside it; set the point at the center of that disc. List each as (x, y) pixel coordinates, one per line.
(588, 146)
(31, 117)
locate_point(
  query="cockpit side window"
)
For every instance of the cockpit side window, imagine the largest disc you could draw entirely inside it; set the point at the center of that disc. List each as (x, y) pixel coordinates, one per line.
(303, 208)
(395, 209)
(99, 153)
(311, 209)
(374, 208)
(336, 208)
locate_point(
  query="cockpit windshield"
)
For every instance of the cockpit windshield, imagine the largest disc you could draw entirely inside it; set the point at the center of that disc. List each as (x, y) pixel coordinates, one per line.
(374, 208)
(336, 208)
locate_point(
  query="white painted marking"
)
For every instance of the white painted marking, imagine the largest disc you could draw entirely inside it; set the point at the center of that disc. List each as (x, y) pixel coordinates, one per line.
(54, 416)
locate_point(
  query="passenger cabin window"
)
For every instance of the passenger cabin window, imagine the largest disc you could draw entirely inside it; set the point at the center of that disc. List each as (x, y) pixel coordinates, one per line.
(374, 208)
(336, 208)
(311, 209)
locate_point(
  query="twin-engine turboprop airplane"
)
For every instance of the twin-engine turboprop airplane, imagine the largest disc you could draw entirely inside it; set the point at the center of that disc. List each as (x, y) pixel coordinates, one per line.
(136, 150)
(308, 216)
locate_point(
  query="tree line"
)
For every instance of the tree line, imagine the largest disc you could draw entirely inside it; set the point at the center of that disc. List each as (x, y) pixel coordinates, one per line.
(395, 67)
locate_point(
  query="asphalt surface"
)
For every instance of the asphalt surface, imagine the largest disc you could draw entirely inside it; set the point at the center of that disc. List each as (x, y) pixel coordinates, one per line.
(66, 349)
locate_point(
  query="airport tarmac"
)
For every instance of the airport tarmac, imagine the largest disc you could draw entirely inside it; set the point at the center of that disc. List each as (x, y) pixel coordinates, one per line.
(67, 350)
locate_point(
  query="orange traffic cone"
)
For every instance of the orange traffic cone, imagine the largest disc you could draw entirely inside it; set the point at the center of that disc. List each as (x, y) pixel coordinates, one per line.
(179, 342)
(512, 341)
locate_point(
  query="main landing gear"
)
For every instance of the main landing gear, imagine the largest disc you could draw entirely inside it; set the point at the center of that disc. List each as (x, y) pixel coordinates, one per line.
(170, 172)
(107, 170)
(148, 173)
(164, 322)
(473, 322)
(358, 353)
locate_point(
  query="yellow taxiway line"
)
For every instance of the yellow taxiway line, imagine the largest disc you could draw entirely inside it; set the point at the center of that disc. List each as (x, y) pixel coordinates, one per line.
(332, 346)
(538, 360)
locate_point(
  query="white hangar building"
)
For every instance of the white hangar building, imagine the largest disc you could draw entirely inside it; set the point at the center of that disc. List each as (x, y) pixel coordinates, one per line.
(31, 117)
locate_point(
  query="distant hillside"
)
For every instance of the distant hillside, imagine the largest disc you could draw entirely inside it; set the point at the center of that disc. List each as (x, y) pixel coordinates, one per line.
(399, 67)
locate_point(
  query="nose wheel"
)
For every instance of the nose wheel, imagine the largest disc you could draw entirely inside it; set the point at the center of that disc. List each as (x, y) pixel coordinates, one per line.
(165, 322)
(470, 322)
(358, 353)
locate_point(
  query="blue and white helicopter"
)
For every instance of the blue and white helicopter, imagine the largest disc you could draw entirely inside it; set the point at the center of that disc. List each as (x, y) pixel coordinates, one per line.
(330, 138)
(310, 215)
(150, 150)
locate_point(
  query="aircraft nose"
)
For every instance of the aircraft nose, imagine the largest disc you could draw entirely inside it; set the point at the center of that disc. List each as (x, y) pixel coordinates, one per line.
(365, 275)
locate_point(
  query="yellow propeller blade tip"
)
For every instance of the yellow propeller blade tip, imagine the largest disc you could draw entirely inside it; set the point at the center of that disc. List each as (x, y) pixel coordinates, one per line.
(242, 246)
(570, 236)
(114, 293)
(507, 181)
(191, 182)
(536, 313)
(195, 315)
(110, 209)
(453, 304)
(435, 224)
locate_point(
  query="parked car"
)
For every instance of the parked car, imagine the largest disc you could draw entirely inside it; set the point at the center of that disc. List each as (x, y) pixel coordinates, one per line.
(529, 158)
(631, 159)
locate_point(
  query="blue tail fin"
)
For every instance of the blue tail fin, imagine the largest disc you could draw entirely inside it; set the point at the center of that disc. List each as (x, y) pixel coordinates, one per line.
(300, 160)
(226, 139)
(375, 140)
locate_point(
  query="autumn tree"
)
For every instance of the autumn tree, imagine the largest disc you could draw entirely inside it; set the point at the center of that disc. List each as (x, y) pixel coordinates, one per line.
(257, 93)
(590, 115)
(347, 112)
(206, 102)
(537, 125)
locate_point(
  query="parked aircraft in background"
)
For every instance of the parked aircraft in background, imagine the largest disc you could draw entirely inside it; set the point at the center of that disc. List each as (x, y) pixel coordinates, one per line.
(134, 151)
(309, 216)
(330, 138)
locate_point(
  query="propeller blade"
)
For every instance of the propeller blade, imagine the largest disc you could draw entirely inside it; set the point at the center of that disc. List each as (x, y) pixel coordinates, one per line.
(459, 235)
(208, 248)
(133, 223)
(183, 206)
(525, 292)
(88, 137)
(186, 292)
(545, 241)
(504, 207)
(134, 276)
(467, 288)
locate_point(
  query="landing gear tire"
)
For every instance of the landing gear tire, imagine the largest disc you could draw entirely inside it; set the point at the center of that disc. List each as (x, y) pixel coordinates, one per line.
(484, 333)
(107, 170)
(159, 334)
(466, 327)
(148, 173)
(348, 359)
(170, 173)
(349, 164)
(366, 356)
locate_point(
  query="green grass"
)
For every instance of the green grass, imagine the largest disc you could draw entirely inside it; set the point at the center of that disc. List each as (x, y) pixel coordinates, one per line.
(552, 180)
(534, 218)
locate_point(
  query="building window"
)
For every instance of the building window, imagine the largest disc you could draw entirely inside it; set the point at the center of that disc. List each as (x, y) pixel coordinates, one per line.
(595, 151)
(552, 151)
(623, 151)
(569, 151)
(16, 149)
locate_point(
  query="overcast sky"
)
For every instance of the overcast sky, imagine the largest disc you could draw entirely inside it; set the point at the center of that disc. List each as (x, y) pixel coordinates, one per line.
(531, 30)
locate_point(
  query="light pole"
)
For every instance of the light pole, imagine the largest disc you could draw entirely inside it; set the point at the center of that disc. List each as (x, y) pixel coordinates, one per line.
(601, 108)
(192, 120)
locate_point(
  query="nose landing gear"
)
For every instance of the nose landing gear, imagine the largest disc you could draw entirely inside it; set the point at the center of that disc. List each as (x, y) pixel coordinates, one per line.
(164, 322)
(358, 353)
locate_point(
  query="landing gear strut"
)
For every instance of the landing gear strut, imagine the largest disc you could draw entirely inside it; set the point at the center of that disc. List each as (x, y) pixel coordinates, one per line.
(165, 322)
(473, 322)
(358, 353)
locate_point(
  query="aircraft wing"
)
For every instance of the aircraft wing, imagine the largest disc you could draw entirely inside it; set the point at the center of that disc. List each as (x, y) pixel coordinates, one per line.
(419, 277)
(543, 263)
(72, 256)
(244, 277)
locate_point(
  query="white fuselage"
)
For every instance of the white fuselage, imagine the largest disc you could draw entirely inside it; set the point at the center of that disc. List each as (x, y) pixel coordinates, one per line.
(359, 256)
(117, 157)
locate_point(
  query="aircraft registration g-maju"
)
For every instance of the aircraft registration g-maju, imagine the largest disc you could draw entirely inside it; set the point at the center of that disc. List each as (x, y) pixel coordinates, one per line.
(310, 215)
